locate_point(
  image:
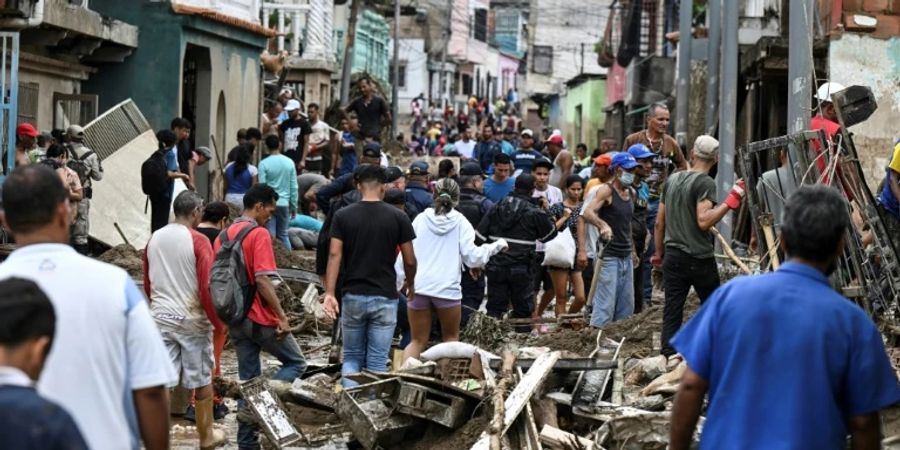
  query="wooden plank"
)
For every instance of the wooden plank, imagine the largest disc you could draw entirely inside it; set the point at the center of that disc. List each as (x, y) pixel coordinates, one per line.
(531, 433)
(555, 438)
(568, 364)
(521, 395)
(608, 372)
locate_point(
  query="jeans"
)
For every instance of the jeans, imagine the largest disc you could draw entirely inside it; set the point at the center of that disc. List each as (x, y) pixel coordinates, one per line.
(652, 211)
(614, 297)
(159, 212)
(249, 338)
(511, 285)
(367, 324)
(680, 272)
(472, 295)
(278, 225)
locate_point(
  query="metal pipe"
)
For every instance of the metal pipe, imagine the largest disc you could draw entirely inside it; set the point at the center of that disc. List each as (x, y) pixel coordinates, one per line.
(395, 99)
(799, 66)
(714, 19)
(683, 80)
(728, 113)
(346, 70)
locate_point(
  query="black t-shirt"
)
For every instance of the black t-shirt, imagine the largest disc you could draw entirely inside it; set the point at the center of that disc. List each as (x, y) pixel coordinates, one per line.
(369, 115)
(211, 233)
(371, 233)
(294, 130)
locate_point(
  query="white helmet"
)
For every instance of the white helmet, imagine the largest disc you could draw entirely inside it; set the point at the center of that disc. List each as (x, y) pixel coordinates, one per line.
(826, 89)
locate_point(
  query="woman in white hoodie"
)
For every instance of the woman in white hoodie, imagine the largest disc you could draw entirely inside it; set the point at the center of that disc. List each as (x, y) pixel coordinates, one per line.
(445, 241)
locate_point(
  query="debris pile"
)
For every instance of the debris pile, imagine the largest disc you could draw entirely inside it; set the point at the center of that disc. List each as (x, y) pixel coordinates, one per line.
(126, 257)
(296, 259)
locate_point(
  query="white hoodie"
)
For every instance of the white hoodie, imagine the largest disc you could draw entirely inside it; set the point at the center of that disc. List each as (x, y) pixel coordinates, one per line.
(442, 245)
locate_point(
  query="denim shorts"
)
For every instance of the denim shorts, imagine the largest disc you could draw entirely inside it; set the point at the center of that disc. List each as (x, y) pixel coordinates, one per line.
(424, 302)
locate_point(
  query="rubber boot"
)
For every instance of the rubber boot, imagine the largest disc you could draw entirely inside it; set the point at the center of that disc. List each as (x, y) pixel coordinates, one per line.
(210, 437)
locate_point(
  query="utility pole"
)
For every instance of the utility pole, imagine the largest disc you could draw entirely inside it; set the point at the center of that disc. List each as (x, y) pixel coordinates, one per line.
(395, 96)
(728, 112)
(348, 52)
(799, 67)
(714, 18)
(445, 43)
(683, 85)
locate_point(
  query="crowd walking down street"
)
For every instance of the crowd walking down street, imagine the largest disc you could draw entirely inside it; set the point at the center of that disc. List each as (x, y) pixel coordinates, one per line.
(472, 218)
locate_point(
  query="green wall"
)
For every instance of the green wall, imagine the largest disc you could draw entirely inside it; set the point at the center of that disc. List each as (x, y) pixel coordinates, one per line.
(590, 94)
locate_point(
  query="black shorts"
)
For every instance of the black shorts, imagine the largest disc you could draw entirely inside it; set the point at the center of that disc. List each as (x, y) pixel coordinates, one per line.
(541, 274)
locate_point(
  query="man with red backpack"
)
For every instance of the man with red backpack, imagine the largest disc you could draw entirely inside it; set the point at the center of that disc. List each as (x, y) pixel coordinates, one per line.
(262, 325)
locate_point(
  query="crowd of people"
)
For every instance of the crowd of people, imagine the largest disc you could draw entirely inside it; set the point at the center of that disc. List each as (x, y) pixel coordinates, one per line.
(518, 225)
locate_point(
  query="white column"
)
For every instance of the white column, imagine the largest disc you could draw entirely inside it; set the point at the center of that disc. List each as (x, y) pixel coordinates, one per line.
(280, 30)
(295, 29)
(264, 19)
(328, 9)
(316, 42)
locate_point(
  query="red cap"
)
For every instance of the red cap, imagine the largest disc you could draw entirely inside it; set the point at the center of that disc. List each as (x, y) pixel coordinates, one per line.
(26, 129)
(604, 159)
(555, 140)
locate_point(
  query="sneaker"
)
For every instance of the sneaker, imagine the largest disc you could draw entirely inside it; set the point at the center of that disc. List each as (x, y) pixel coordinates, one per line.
(189, 414)
(220, 411)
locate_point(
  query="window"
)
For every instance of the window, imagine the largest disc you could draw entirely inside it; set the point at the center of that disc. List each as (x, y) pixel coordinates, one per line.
(69, 109)
(480, 26)
(467, 84)
(543, 60)
(27, 107)
(401, 75)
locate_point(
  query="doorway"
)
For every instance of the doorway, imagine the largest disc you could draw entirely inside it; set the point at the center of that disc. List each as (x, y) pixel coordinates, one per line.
(196, 97)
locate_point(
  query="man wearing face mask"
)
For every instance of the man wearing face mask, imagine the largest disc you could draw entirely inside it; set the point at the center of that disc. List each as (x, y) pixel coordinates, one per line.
(684, 244)
(610, 211)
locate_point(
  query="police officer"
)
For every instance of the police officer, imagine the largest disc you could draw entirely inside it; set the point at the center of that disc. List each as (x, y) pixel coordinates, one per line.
(474, 206)
(510, 277)
(418, 196)
(93, 171)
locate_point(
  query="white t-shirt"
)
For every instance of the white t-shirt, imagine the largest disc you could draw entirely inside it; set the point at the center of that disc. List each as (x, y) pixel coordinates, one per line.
(320, 135)
(106, 343)
(553, 195)
(592, 234)
(177, 259)
(466, 149)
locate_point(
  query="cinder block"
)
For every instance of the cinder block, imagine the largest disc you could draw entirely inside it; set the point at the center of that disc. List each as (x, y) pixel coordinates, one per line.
(875, 6)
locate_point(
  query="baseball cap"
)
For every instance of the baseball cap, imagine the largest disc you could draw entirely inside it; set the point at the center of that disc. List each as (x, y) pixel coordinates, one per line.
(372, 150)
(418, 168)
(392, 174)
(528, 132)
(471, 169)
(75, 131)
(640, 151)
(605, 159)
(542, 162)
(292, 105)
(555, 140)
(204, 151)
(26, 129)
(706, 147)
(623, 160)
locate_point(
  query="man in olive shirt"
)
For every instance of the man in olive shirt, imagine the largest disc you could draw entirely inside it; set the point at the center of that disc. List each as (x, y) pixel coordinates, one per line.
(668, 159)
(684, 245)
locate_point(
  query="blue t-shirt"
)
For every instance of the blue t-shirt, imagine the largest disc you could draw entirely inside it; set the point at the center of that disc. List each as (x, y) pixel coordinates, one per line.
(496, 191)
(886, 197)
(524, 159)
(239, 183)
(788, 361)
(305, 222)
(172, 166)
(507, 148)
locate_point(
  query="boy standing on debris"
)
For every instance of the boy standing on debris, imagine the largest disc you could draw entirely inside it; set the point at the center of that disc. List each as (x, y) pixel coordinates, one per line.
(364, 241)
(266, 325)
(684, 246)
(277, 171)
(177, 264)
(787, 361)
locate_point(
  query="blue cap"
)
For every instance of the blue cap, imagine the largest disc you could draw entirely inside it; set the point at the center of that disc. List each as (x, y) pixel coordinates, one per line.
(623, 160)
(640, 151)
(418, 168)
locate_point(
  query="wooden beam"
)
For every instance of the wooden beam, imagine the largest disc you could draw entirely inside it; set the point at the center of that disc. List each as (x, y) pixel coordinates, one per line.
(521, 395)
(555, 438)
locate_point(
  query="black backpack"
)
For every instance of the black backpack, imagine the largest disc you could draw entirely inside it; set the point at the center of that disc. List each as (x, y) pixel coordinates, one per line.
(155, 174)
(230, 285)
(79, 165)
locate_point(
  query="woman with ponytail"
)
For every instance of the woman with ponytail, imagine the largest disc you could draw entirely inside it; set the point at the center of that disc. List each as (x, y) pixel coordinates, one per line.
(445, 241)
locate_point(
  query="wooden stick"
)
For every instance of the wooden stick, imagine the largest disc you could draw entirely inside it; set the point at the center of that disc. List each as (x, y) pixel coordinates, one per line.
(728, 251)
(116, 224)
(770, 244)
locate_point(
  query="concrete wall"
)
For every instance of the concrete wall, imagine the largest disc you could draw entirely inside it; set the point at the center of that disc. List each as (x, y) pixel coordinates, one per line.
(507, 70)
(47, 85)
(863, 60)
(590, 95)
(412, 53)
